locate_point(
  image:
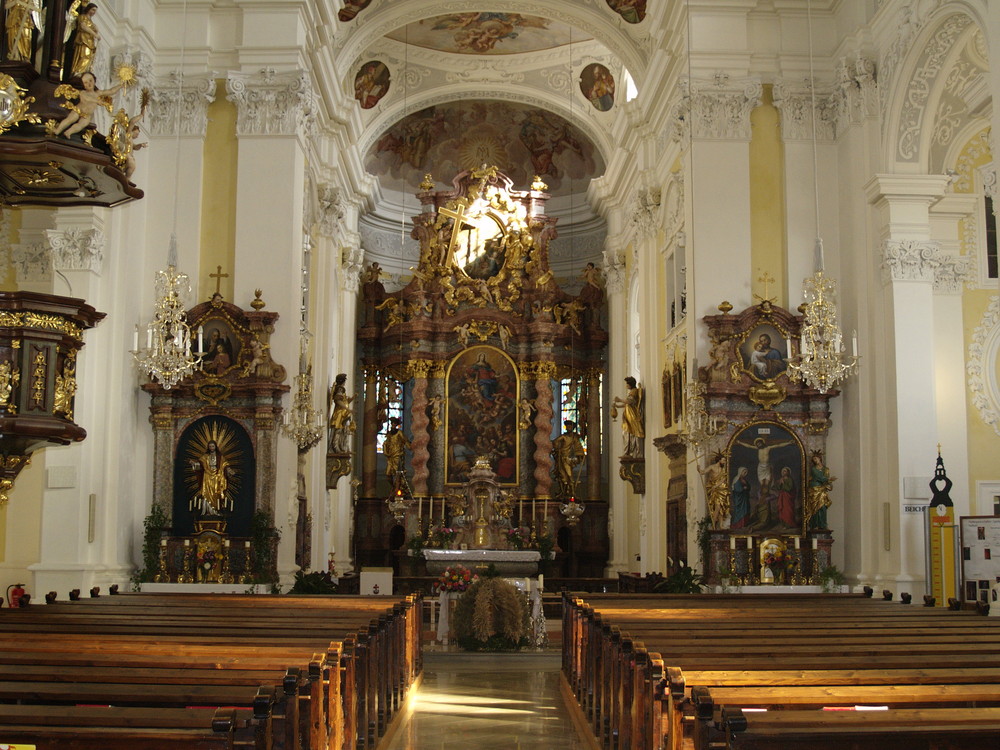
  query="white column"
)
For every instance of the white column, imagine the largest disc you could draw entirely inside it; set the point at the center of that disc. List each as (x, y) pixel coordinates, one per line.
(273, 111)
(908, 261)
(618, 491)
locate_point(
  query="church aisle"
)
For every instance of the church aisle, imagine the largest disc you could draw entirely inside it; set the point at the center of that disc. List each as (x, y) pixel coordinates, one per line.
(488, 702)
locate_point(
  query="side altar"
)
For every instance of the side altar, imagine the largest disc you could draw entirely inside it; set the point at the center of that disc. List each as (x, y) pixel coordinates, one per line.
(481, 360)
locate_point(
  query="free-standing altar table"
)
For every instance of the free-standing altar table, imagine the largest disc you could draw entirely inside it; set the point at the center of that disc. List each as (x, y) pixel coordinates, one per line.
(509, 562)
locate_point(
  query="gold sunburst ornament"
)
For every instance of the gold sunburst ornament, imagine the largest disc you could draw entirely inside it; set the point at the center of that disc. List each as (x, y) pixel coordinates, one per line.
(126, 74)
(212, 477)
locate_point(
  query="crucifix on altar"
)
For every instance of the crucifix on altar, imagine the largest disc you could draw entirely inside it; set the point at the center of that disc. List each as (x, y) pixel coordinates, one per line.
(218, 276)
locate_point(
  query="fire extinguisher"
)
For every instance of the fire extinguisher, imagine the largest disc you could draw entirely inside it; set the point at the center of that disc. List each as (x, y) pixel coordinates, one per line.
(14, 594)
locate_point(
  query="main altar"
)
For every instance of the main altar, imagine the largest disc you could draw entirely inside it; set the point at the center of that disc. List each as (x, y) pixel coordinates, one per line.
(482, 380)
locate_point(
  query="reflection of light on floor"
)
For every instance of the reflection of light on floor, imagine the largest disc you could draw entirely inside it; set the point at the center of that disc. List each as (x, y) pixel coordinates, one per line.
(475, 705)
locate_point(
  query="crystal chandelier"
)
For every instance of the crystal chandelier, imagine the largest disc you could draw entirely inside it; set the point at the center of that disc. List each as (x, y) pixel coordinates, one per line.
(167, 356)
(821, 363)
(699, 426)
(303, 424)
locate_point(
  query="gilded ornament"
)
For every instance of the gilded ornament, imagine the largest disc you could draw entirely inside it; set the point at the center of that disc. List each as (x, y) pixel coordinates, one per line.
(38, 379)
(9, 377)
(37, 177)
(767, 395)
(427, 183)
(65, 389)
(420, 368)
(14, 106)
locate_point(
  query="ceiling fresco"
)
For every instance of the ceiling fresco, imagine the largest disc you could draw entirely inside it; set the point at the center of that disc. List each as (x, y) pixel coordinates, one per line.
(487, 33)
(522, 141)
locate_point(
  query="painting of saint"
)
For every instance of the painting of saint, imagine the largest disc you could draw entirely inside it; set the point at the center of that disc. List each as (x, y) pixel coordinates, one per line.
(221, 348)
(351, 9)
(598, 85)
(766, 470)
(765, 352)
(482, 416)
(371, 83)
(632, 11)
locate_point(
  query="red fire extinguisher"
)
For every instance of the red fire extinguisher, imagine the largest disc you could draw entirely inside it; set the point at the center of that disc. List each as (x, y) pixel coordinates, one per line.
(14, 594)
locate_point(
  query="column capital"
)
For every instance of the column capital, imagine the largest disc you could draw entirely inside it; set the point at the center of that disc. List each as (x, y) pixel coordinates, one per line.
(717, 108)
(76, 249)
(352, 262)
(795, 102)
(614, 270)
(912, 260)
(180, 102)
(272, 103)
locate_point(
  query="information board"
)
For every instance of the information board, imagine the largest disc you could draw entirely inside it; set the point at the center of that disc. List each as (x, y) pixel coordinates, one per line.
(980, 556)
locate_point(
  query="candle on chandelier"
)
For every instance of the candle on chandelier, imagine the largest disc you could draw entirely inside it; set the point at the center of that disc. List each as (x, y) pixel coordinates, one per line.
(135, 338)
(201, 339)
(854, 342)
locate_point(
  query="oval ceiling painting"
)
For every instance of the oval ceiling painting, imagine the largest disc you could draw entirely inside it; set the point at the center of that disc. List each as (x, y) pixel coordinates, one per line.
(486, 33)
(522, 141)
(598, 85)
(632, 11)
(371, 83)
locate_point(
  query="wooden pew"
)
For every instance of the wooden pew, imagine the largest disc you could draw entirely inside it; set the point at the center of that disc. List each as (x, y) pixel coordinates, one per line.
(896, 729)
(320, 707)
(637, 710)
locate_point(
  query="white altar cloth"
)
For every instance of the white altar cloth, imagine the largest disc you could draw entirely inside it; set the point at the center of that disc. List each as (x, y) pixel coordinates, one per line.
(509, 562)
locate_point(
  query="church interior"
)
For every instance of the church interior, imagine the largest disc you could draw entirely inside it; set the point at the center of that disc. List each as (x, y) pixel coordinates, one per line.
(625, 291)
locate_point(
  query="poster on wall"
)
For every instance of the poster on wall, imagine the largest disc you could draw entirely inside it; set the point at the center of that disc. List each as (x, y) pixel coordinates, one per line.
(980, 556)
(482, 414)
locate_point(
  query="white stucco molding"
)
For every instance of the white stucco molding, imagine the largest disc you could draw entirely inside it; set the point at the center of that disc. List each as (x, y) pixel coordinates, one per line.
(795, 102)
(646, 211)
(925, 261)
(614, 270)
(352, 262)
(178, 101)
(32, 262)
(330, 209)
(983, 363)
(717, 109)
(76, 249)
(272, 103)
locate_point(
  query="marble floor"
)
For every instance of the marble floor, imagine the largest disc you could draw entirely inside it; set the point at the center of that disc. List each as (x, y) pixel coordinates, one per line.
(487, 702)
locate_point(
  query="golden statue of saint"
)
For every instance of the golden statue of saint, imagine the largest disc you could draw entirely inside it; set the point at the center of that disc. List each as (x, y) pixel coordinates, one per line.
(23, 21)
(716, 491)
(213, 492)
(341, 417)
(394, 448)
(633, 426)
(81, 47)
(567, 450)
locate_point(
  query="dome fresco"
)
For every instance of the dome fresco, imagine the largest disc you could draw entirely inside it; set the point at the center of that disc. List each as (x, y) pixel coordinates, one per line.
(487, 33)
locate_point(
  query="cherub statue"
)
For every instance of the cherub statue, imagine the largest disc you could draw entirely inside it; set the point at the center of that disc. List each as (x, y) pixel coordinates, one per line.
(435, 403)
(82, 114)
(526, 407)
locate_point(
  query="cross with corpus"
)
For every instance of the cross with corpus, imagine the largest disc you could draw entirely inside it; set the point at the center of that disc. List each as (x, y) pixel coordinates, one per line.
(218, 276)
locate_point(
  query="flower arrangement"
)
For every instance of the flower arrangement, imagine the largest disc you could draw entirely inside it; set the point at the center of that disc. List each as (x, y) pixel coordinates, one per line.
(457, 578)
(774, 559)
(442, 536)
(207, 560)
(517, 537)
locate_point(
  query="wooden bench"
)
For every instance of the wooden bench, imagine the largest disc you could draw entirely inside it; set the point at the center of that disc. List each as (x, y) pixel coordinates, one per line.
(339, 694)
(629, 676)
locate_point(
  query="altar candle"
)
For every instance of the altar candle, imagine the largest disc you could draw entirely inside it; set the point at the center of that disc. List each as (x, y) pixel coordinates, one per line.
(226, 543)
(187, 542)
(420, 508)
(246, 544)
(443, 513)
(163, 542)
(520, 511)
(815, 543)
(732, 542)
(797, 540)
